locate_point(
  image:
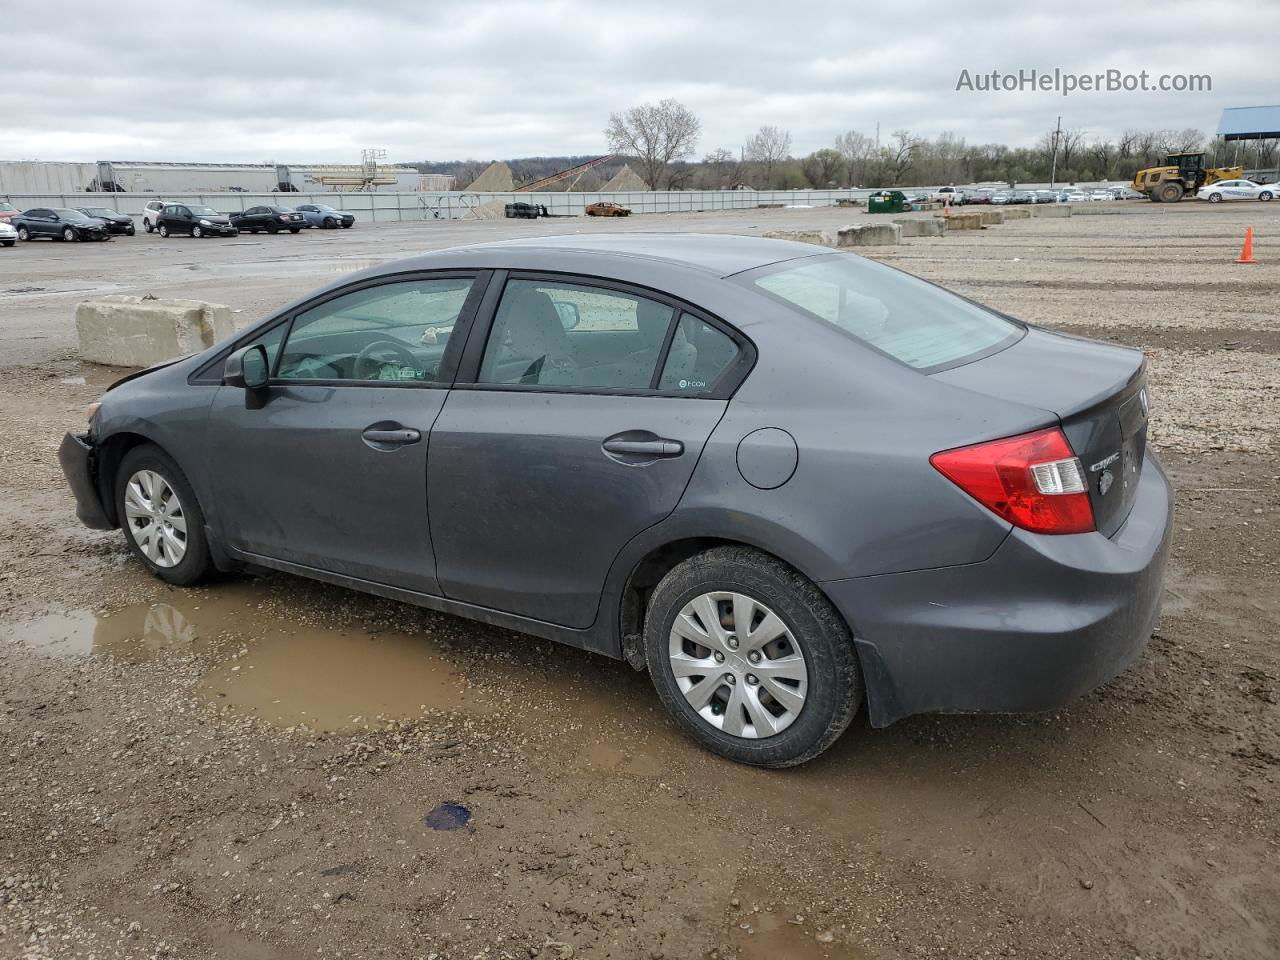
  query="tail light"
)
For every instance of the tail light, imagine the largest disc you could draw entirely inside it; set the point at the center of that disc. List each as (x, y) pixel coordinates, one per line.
(1034, 481)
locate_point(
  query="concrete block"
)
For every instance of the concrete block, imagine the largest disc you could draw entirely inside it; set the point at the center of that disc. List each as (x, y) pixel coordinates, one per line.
(1016, 213)
(137, 332)
(803, 236)
(868, 235)
(916, 227)
(991, 217)
(963, 221)
(1051, 210)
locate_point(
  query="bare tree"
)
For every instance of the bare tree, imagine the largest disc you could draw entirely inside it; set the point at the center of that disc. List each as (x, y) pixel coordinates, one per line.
(823, 167)
(901, 154)
(718, 160)
(768, 147)
(655, 134)
(1188, 140)
(856, 149)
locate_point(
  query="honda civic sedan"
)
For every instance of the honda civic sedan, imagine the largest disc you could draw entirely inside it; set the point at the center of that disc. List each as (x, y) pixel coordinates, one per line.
(787, 482)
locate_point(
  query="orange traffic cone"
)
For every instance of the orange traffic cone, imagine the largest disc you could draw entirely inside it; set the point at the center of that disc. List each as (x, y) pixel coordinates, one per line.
(1246, 252)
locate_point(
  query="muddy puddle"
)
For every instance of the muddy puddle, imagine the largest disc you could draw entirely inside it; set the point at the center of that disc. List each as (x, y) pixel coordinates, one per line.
(762, 930)
(273, 668)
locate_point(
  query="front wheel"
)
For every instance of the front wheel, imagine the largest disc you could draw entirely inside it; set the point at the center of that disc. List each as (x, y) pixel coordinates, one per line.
(329, 223)
(1265, 195)
(161, 518)
(23, 233)
(197, 232)
(68, 234)
(750, 658)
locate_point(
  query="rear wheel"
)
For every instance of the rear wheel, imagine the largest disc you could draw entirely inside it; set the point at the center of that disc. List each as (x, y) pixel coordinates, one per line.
(1168, 192)
(146, 225)
(1215, 198)
(750, 658)
(164, 230)
(160, 516)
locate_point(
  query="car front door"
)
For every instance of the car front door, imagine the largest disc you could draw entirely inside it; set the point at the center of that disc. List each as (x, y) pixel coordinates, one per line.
(327, 466)
(578, 427)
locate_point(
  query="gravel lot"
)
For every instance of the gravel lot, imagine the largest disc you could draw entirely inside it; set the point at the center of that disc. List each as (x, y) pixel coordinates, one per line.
(246, 770)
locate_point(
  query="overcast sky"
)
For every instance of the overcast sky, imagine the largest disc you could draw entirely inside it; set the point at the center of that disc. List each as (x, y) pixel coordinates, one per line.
(317, 80)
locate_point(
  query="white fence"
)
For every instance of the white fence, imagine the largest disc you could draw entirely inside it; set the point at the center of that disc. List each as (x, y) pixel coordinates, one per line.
(378, 207)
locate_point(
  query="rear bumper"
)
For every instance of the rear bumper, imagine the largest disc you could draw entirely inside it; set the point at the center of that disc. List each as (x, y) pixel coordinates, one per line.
(1042, 621)
(76, 455)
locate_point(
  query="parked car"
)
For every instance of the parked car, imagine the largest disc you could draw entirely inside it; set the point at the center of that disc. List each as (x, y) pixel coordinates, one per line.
(1003, 197)
(1046, 196)
(605, 208)
(58, 223)
(270, 218)
(151, 211)
(1237, 190)
(1099, 195)
(980, 196)
(524, 211)
(326, 217)
(1022, 196)
(194, 220)
(115, 222)
(711, 456)
(1076, 196)
(7, 211)
(8, 235)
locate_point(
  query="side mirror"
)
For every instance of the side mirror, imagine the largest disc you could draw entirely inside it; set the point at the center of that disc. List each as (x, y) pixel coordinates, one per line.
(569, 317)
(247, 368)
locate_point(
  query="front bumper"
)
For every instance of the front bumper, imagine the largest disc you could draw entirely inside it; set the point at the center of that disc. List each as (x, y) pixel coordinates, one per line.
(1042, 621)
(76, 455)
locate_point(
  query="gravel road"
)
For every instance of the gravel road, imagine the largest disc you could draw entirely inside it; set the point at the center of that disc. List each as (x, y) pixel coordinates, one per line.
(257, 768)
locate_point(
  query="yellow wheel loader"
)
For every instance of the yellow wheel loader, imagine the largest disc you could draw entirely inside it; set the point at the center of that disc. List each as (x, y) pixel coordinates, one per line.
(1182, 174)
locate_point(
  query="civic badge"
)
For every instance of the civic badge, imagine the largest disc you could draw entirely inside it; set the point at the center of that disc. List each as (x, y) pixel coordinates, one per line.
(1104, 482)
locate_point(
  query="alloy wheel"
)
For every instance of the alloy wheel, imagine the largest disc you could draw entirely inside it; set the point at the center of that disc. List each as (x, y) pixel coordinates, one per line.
(155, 518)
(738, 665)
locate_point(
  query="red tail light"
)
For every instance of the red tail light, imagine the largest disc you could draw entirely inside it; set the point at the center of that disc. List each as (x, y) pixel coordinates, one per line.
(1034, 481)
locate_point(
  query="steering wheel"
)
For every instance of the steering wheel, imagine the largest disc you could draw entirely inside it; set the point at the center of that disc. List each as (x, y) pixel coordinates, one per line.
(367, 366)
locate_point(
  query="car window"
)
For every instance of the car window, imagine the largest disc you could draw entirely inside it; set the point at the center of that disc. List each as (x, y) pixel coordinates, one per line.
(574, 335)
(392, 332)
(915, 322)
(698, 358)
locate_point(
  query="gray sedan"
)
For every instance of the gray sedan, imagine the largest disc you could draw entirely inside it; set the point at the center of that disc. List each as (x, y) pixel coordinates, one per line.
(787, 482)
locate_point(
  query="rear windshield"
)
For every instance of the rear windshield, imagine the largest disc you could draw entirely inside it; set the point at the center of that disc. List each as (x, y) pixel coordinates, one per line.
(912, 321)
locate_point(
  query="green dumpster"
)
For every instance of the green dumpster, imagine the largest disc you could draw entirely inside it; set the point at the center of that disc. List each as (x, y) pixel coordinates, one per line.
(888, 201)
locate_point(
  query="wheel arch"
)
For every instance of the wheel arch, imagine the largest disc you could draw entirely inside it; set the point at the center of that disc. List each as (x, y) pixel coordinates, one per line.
(109, 452)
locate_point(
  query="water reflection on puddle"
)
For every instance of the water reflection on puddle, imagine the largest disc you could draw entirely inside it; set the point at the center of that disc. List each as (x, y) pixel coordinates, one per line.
(281, 671)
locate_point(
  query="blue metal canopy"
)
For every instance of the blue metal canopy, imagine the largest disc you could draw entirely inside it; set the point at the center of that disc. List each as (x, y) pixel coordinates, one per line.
(1249, 123)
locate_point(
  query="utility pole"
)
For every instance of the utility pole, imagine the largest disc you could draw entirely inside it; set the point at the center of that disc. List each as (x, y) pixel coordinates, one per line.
(1053, 172)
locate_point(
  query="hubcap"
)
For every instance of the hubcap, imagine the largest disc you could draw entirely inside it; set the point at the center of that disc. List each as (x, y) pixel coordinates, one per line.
(738, 665)
(155, 518)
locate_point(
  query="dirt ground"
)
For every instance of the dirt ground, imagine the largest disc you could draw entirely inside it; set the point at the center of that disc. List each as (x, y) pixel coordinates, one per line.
(258, 768)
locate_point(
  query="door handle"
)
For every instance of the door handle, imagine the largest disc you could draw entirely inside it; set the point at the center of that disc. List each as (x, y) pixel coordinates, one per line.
(398, 437)
(645, 448)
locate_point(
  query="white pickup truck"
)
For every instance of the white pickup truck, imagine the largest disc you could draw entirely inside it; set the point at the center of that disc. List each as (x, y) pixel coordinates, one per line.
(947, 194)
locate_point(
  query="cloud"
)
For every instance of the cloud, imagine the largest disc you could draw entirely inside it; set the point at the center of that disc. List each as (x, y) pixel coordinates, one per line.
(317, 80)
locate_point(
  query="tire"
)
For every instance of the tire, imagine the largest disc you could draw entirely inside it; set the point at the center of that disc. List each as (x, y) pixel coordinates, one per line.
(195, 563)
(146, 225)
(68, 235)
(329, 223)
(273, 230)
(830, 688)
(130, 232)
(1215, 198)
(24, 233)
(1264, 195)
(1168, 192)
(295, 229)
(164, 230)
(197, 232)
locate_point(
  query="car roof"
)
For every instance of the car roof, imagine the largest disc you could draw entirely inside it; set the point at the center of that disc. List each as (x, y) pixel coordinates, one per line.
(718, 254)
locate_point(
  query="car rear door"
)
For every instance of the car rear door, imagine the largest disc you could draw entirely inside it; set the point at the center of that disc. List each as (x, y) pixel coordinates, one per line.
(327, 467)
(558, 451)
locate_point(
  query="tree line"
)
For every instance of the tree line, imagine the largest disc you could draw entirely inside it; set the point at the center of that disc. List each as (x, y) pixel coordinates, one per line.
(660, 141)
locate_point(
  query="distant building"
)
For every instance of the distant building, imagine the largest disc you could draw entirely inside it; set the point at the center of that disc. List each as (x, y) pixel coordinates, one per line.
(40, 176)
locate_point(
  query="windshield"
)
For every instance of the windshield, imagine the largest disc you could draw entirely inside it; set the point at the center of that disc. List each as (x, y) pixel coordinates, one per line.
(70, 214)
(99, 211)
(915, 322)
(6, 206)
(204, 211)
